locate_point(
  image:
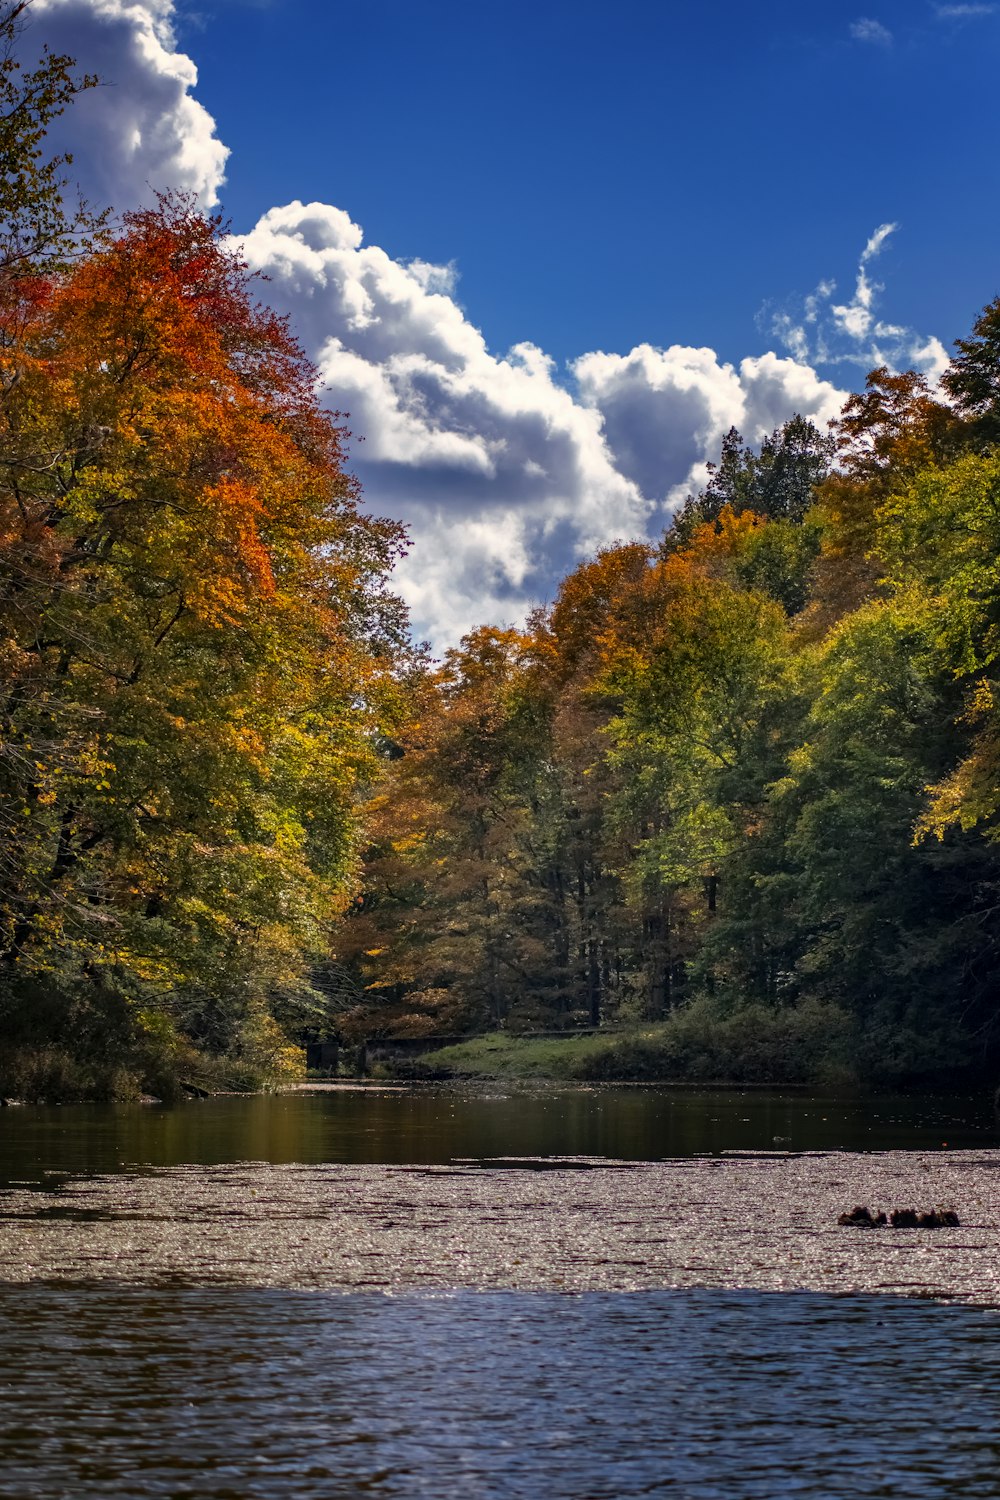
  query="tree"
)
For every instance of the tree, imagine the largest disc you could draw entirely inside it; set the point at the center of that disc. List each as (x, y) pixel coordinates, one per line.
(196, 640)
(973, 377)
(449, 930)
(777, 484)
(36, 227)
(885, 435)
(705, 698)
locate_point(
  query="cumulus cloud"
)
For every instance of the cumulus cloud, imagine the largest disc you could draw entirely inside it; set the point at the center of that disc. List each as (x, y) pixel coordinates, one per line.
(665, 411)
(817, 330)
(142, 130)
(962, 12)
(507, 470)
(504, 477)
(867, 30)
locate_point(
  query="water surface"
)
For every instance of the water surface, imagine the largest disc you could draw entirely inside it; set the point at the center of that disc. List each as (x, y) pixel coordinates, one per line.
(580, 1293)
(712, 1396)
(431, 1125)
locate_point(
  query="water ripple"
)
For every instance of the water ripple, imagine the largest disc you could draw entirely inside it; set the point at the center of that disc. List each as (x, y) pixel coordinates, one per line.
(261, 1394)
(762, 1222)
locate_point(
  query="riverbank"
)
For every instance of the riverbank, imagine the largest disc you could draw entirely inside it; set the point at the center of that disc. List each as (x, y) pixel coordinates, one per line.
(812, 1045)
(56, 1075)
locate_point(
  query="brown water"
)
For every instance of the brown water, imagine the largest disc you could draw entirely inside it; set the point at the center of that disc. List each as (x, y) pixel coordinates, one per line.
(433, 1125)
(582, 1293)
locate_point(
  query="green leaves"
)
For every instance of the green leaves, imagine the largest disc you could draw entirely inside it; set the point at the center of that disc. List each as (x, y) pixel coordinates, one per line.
(192, 638)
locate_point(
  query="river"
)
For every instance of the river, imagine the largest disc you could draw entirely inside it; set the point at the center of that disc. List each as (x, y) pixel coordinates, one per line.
(447, 1292)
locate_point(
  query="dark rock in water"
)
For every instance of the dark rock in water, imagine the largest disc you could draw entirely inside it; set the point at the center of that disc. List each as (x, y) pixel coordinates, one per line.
(934, 1218)
(862, 1218)
(939, 1218)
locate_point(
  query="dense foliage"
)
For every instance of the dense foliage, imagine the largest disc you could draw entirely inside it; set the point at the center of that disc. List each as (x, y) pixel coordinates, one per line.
(754, 770)
(196, 647)
(746, 780)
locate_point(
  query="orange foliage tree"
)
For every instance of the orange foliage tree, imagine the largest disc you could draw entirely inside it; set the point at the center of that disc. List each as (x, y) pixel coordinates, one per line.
(197, 641)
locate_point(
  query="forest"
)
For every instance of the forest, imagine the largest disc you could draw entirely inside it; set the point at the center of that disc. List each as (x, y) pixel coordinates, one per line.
(733, 798)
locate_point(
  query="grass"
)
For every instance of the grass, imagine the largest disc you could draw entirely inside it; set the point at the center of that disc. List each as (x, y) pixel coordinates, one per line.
(812, 1044)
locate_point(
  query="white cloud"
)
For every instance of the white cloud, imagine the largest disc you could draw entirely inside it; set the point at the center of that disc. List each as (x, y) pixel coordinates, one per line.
(817, 330)
(504, 478)
(867, 30)
(855, 318)
(141, 130)
(665, 411)
(962, 12)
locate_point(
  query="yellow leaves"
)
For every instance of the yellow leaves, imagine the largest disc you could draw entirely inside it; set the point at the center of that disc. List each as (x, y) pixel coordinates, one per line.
(983, 701)
(722, 539)
(971, 794)
(199, 589)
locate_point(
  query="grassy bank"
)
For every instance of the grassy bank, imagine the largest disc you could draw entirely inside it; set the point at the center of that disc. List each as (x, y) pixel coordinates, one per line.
(814, 1044)
(52, 1075)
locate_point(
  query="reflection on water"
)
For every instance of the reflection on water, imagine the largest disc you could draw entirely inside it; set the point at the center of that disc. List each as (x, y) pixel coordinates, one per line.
(117, 1392)
(439, 1125)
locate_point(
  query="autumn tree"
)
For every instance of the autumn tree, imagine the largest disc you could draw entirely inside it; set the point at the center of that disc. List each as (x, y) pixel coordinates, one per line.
(196, 641)
(449, 930)
(885, 434)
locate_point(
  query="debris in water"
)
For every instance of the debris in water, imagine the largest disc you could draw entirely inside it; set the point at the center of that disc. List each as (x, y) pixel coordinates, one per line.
(861, 1217)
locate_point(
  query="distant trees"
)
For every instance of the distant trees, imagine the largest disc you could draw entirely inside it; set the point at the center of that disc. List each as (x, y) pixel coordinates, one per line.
(758, 766)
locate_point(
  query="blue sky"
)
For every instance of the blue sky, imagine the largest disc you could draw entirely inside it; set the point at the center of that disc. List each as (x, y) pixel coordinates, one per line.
(604, 176)
(546, 254)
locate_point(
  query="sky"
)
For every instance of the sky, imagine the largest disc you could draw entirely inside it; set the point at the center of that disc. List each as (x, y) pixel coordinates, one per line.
(546, 255)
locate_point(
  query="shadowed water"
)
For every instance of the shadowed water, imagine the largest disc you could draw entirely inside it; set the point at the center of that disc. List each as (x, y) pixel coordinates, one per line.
(438, 1125)
(587, 1294)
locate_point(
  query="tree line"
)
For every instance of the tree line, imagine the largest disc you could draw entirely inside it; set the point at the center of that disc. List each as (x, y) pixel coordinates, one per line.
(755, 766)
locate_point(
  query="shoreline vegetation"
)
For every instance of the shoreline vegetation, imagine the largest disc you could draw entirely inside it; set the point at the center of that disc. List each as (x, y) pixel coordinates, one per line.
(732, 802)
(816, 1046)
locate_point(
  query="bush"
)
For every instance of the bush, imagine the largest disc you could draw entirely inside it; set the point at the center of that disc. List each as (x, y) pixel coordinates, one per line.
(50, 1075)
(809, 1044)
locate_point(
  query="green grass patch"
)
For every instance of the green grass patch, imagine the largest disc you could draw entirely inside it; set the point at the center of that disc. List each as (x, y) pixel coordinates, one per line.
(811, 1044)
